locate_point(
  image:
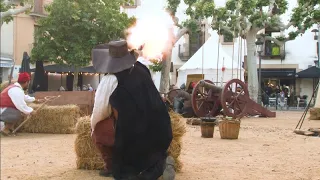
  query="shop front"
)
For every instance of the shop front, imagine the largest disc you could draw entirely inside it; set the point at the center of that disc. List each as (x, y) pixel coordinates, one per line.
(279, 84)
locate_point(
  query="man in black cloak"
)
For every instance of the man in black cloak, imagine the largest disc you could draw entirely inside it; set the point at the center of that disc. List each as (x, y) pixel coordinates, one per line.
(142, 124)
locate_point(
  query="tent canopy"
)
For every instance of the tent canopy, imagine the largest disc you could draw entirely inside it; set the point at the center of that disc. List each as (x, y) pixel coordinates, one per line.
(210, 54)
(312, 72)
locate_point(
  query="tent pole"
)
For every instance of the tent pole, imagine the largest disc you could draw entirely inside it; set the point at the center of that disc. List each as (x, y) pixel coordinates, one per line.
(232, 59)
(218, 56)
(238, 57)
(240, 61)
(234, 29)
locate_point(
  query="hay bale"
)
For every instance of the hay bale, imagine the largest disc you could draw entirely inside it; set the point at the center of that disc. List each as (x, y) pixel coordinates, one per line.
(91, 163)
(88, 156)
(178, 164)
(178, 125)
(314, 114)
(178, 130)
(175, 148)
(52, 119)
(5, 84)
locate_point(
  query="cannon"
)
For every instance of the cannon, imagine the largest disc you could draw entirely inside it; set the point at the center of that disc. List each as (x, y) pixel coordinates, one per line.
(232, 100)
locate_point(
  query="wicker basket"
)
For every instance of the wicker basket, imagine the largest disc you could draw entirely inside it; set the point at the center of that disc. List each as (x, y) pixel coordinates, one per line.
(229, 129)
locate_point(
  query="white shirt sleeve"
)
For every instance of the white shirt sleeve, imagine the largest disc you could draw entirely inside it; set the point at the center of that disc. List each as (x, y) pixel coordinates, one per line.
(101, 108)
(18, 98)
(29, 99)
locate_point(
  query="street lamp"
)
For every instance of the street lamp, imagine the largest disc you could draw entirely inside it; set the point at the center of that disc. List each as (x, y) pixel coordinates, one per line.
(259, 47)
(316, 37)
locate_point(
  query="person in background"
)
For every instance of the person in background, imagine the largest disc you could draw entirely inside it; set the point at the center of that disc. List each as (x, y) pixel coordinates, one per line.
(85, 88)
(90, 87)
(13, 103)
(61, 88)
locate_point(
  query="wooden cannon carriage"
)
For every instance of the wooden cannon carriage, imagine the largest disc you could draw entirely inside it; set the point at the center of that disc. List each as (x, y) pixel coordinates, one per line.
(232, 100)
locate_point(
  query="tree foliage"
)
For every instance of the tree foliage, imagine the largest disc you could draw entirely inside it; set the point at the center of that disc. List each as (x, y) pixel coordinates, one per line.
(240, 16)
(6, 5)
(245, 18)
(74, 27)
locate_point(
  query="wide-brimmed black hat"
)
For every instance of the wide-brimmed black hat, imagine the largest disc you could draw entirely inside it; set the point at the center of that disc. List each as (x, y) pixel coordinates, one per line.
(112, 57)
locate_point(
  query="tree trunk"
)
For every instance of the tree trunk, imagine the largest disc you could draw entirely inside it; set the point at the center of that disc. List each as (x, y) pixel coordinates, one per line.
(75, 79)
(165, 73)
(166, 63)
(252, 65)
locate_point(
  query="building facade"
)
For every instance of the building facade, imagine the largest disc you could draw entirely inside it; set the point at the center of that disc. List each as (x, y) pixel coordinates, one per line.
(17, 37)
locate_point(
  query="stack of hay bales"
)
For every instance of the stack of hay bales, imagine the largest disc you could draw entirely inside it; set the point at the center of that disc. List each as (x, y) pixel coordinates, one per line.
(178, 130)
(88, 156)
(314, 114)
(52, 119)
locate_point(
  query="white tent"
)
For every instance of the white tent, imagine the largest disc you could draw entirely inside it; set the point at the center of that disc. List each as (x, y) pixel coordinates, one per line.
(211, 65)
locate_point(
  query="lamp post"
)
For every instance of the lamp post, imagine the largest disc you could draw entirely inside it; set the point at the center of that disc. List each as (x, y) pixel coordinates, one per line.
(259, 45)
(317, 37)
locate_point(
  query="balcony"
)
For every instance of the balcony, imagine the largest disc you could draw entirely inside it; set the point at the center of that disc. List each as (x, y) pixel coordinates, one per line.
(183, 55)
(272, 51)
(194, 44)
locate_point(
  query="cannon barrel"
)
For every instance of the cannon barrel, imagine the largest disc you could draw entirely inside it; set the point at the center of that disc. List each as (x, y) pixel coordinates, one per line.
(214, 88)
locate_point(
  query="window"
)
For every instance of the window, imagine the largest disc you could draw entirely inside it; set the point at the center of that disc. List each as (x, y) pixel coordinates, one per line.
(227, 38)
(271, 48)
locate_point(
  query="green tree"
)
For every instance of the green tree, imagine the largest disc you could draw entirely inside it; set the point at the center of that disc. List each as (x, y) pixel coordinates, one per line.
(72, 28)
(7, 9)
(245, 18)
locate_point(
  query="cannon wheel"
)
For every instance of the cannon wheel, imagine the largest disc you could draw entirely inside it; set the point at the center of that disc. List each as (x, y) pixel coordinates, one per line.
(235, 104)
(200, 104)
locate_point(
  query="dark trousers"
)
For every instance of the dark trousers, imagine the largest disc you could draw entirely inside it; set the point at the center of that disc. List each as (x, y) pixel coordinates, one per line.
(151, 173)
(103, 137)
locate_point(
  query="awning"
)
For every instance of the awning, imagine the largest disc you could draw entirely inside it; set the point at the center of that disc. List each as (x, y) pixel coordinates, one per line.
(56, 68)
(89, 69)
(312, 72)
(277, 73)
(6, 62)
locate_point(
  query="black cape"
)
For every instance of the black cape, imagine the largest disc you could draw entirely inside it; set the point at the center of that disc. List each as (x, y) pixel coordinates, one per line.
(143, 128)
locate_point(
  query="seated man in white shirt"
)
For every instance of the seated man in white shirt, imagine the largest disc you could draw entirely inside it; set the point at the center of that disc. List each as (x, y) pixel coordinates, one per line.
(13, 103)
